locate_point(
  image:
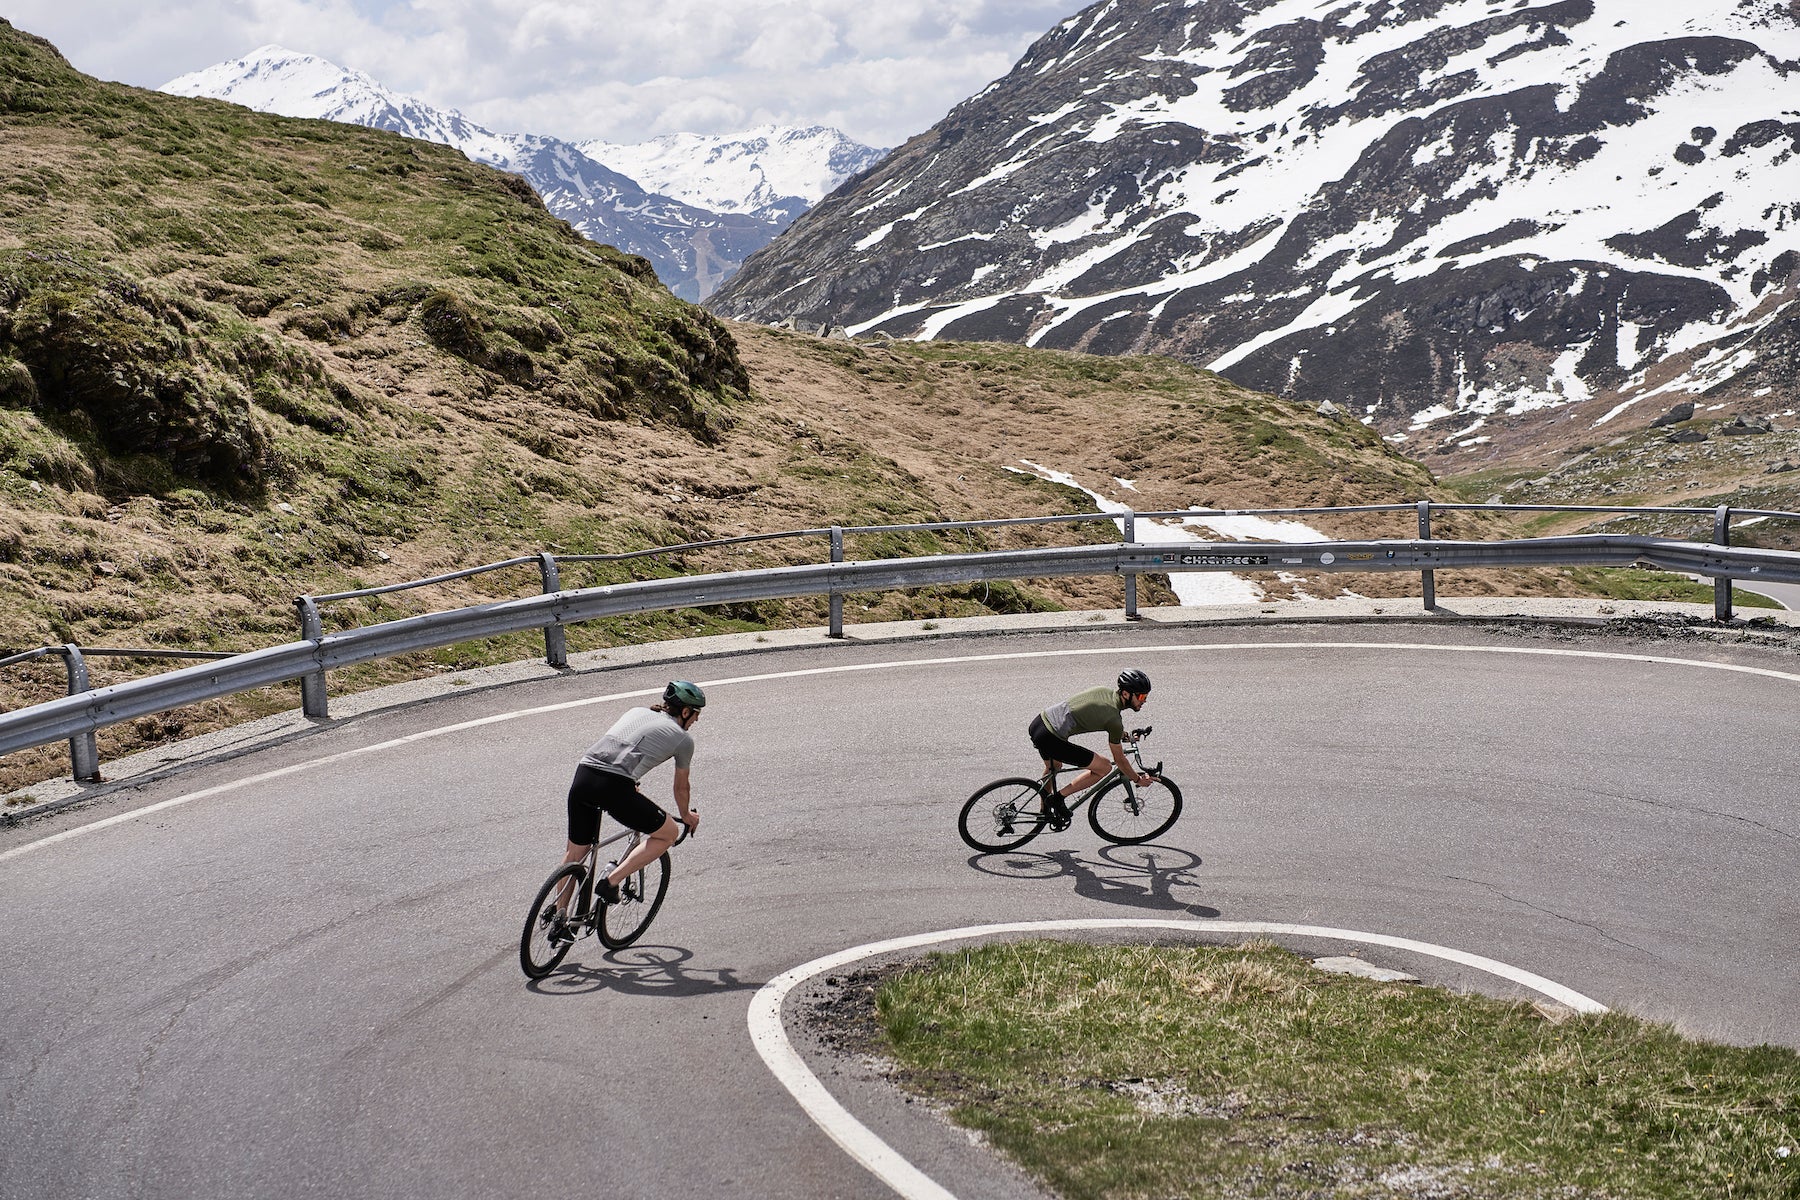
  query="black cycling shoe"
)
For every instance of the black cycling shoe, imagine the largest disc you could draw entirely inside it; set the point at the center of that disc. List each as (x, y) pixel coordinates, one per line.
(1055, 811)
(560, 933)
(606, 890)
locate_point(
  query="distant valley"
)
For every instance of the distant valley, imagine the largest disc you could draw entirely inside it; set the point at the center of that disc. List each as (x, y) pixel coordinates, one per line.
(694, 206)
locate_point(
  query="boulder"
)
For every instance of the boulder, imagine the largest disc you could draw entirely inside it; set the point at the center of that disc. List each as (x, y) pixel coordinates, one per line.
(1675, 416)
(1687, 435)
(1738, 427)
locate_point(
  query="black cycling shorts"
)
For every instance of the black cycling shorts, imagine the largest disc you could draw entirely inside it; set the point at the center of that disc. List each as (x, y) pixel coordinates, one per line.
(595, 791)
(1057, 749)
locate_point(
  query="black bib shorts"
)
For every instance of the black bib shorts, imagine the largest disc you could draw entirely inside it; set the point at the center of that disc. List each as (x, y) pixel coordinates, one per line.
(595, 791)
(1057, 749)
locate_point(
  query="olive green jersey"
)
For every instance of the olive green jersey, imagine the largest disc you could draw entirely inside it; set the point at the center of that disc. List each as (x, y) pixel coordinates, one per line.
(1091, 711)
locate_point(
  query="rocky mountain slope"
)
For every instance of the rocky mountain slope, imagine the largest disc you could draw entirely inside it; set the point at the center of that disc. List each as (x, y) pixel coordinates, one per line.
(694, 240)
(1491, 228)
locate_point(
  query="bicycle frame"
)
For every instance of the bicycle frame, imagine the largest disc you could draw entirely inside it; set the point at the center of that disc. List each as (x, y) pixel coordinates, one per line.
(591, 860)
(1134, 750)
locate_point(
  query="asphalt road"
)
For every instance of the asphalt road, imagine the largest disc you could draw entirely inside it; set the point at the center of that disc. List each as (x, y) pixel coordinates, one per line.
(1785, 594)
(305, 984)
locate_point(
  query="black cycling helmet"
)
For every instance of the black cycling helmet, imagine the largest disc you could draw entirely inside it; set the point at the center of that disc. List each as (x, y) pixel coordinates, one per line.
(1135, 682)
(686, 694)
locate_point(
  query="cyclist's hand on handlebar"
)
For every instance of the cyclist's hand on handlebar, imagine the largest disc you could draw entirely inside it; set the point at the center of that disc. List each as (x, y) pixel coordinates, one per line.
(691, 818)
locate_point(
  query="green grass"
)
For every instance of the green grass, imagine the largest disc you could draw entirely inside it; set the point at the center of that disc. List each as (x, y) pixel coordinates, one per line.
(1632, 583)
(1134, 1071)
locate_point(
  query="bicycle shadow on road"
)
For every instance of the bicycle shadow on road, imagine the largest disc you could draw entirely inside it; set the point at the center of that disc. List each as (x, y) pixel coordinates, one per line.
(645, 970)
(1130, 876)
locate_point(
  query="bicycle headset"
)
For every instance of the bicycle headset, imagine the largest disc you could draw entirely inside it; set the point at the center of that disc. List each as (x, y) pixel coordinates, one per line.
(681, 692)
(1135, 682)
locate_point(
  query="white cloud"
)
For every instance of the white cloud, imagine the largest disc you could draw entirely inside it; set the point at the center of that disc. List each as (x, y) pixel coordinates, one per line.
(623, 70)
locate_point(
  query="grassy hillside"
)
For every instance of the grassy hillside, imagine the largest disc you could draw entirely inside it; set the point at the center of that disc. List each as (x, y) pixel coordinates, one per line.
(245, 357)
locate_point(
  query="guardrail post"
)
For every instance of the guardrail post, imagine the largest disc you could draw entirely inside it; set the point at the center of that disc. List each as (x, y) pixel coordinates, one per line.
(84, 748)
(1131, 611)
(837, 601)
(556, 645)
(1428, 579)
(313, 700)
(1721, 583)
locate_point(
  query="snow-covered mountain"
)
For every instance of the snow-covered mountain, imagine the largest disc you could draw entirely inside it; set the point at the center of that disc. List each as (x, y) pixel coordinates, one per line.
(1472, 219)
(770, 171)
(694, 246)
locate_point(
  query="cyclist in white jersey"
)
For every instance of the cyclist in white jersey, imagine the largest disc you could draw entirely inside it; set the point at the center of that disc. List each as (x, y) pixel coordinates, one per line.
(607, 776)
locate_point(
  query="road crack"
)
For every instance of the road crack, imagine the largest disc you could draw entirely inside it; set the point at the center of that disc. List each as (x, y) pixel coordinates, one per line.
(1549, 912)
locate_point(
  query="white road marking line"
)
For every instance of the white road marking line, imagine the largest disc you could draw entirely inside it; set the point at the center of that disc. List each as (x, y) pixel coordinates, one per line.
(844, 668)
(884, 1162)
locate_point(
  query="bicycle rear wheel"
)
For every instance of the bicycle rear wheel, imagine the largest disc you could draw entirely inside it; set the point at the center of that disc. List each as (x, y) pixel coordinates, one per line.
(538, 954)
(640, 896)
(1004, 815)
(1127, 814)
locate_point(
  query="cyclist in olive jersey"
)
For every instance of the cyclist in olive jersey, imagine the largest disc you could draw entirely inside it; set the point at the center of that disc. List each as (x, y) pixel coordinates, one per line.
(1096, 710)
(606, 781)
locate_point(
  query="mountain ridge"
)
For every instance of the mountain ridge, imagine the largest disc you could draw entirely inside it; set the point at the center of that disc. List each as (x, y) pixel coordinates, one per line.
(1475, 224)
(693, 247)
(772, 172)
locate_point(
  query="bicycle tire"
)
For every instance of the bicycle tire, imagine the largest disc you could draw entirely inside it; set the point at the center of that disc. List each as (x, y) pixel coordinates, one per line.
(538, 955)
(640, 899)
(1127, 815)
(1004, 815)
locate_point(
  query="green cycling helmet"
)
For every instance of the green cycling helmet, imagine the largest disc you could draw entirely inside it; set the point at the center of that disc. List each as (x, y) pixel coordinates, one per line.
(686, 694)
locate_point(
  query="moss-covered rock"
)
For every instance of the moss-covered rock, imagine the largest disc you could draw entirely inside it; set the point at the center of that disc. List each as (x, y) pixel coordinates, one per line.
(131, 368)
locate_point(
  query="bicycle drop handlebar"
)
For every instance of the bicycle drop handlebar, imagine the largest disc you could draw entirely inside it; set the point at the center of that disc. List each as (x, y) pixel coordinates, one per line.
(1138, 735)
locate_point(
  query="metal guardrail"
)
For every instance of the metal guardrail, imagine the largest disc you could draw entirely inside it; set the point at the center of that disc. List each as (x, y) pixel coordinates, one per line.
(87, 710)
(84, 749)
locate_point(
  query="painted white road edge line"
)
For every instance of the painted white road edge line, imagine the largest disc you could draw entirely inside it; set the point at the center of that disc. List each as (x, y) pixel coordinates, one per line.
(885, 1163)
(844, 668)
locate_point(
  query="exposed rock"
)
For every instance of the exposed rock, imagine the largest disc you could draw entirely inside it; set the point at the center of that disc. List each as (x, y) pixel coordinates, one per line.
(1675, 416)
(1738, 427)
(1780, 466)
(1687, 435)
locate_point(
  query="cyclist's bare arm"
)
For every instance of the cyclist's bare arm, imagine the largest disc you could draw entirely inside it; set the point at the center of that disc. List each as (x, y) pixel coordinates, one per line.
(1125, 765)
(683, 798)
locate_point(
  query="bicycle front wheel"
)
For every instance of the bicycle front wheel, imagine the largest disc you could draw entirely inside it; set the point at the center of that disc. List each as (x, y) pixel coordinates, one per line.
(640, 896)
(1127, 814)
(1004, 815)
(538, 953)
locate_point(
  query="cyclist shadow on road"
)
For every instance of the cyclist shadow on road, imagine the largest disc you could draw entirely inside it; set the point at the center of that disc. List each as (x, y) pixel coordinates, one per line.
(643, 970)
(1131, 876)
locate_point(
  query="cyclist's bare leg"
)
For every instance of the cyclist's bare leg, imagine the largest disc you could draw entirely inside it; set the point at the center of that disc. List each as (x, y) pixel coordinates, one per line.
(648, 850)
(1096, 770)
(576, 853)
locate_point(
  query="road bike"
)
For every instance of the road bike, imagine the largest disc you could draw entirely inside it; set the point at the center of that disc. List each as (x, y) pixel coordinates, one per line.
(1007, 813)
(566, 910)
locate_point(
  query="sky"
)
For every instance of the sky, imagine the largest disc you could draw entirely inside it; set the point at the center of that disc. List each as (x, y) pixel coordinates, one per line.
(622, 70)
